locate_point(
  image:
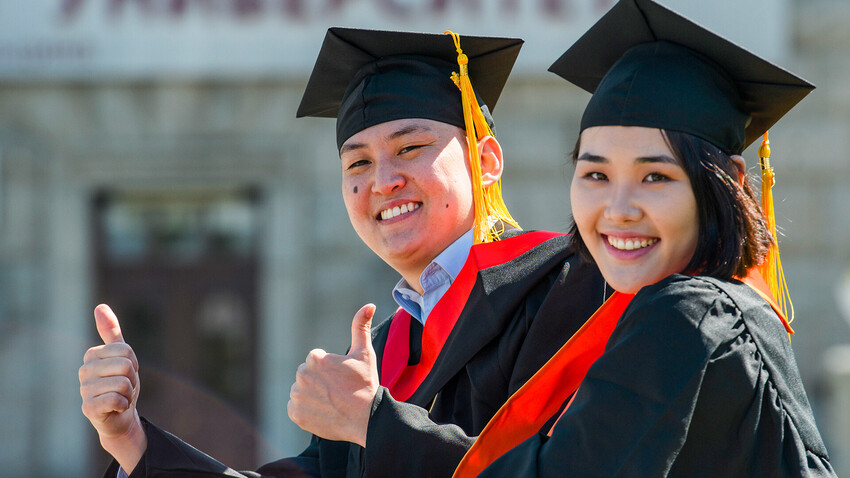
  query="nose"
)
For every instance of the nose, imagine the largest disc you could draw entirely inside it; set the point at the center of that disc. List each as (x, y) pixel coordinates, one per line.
(388, 178)
(623, 207)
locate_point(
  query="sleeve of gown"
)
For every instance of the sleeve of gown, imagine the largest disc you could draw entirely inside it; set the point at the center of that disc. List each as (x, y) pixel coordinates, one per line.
(402, 440)
(631, 413)
(168, 456)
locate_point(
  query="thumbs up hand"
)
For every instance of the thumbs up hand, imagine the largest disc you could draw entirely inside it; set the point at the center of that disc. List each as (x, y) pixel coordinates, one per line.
(109, 385)
(332, 394)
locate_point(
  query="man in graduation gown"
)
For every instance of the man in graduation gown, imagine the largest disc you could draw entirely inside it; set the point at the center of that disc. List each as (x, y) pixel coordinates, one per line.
(483, 304)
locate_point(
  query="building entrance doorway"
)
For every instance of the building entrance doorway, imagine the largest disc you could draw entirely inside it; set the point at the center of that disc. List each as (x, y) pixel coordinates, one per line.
(180, 271)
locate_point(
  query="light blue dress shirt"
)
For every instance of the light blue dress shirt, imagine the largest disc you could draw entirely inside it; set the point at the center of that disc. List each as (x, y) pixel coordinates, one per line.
(435, 279)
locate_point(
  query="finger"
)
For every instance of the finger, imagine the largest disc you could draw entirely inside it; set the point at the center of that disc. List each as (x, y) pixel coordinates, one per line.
(97, 408)
(107, 324)
(109, 351)
(292, 412)
(120, 385)
(109, 367)
(314, 358)
(361, 329)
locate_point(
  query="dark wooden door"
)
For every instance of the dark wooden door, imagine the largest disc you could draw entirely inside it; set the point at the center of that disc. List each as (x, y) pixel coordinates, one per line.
(180, 271)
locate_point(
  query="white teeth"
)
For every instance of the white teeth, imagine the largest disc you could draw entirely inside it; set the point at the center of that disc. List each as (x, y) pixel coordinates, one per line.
(630, 244)
(398, 210)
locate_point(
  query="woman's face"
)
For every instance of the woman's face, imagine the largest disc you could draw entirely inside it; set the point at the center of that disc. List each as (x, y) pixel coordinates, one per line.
(633, 205)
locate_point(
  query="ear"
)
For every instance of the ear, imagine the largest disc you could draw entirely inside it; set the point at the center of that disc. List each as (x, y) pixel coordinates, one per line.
(741, 165)
(490, 153)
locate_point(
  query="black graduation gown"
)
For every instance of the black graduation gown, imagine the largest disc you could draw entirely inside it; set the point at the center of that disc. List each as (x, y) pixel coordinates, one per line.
(517, 315)
(697, 379)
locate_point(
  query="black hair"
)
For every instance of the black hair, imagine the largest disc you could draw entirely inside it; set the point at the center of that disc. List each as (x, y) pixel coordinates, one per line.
(733, 232)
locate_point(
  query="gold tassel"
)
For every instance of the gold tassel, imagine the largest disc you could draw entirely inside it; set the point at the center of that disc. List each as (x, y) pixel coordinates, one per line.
(491, 213)
(771, 269)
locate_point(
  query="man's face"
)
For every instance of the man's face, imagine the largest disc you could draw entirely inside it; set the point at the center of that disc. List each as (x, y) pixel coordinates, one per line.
(407, 188)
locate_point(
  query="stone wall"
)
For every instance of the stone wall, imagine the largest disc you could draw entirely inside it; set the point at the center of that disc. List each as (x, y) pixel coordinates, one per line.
(60, 142)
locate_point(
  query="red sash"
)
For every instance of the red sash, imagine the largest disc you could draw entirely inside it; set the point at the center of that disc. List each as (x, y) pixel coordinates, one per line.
(402, 379)
(539, 399)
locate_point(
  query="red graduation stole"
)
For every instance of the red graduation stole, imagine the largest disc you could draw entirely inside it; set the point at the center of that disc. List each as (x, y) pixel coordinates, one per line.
(527, 410)
(401, 379)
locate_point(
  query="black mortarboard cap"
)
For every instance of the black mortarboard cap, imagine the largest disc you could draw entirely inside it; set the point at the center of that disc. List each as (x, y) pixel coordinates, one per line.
(368, 77)
(649, 66)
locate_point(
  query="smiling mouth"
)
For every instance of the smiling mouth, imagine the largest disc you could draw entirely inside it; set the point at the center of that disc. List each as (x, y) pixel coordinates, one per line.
(392, 212)
(630, 244)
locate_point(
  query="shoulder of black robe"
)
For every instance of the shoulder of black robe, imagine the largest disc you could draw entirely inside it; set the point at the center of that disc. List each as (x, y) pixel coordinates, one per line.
(774, 428)
(696, 380)
(517, 316)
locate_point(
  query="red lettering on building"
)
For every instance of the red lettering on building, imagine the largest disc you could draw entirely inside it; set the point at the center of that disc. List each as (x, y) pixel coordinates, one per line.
(293, 8)
(69, 9)
(244, 8)
(301, 9)
(556, 8)
(509, 6)
(440, 6)
(333, 6)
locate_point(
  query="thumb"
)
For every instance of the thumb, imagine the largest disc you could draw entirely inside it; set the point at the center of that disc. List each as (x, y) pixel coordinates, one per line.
(361, 329)
(107, 324)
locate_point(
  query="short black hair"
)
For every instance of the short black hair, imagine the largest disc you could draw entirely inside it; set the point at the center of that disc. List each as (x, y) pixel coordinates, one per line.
(733, 232)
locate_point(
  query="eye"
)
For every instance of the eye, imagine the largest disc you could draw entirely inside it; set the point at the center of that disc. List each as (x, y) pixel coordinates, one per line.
(357, 164)
(656, 177)
(596, 176)
(410, 149)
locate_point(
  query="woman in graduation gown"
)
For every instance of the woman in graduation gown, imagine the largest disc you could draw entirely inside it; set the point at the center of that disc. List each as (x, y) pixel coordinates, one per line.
(687, 370)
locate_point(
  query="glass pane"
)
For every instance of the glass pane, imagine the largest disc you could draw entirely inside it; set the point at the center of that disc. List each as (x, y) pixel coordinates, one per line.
(180, 227)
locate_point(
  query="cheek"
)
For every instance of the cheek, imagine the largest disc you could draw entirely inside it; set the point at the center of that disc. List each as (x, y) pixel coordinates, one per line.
(685, 228)
(693, 230)
(581, 208)
(352, 200)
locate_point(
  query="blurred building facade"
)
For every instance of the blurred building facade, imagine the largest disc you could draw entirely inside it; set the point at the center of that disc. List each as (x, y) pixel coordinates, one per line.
(150, 158)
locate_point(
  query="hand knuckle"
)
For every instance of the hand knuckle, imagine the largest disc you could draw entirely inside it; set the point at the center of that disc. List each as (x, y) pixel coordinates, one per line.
(316, 356)
(91, 354)
(127, 368)
(116, 401)
(125, 387)
(85, 391)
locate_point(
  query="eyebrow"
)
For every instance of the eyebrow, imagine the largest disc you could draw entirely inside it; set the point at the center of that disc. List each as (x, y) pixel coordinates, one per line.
(661, 158)
(350, 147)
(413, 128)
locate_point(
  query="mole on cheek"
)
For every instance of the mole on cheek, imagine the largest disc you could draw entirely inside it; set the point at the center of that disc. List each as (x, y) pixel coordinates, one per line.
(447, 205)
(355, 189)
